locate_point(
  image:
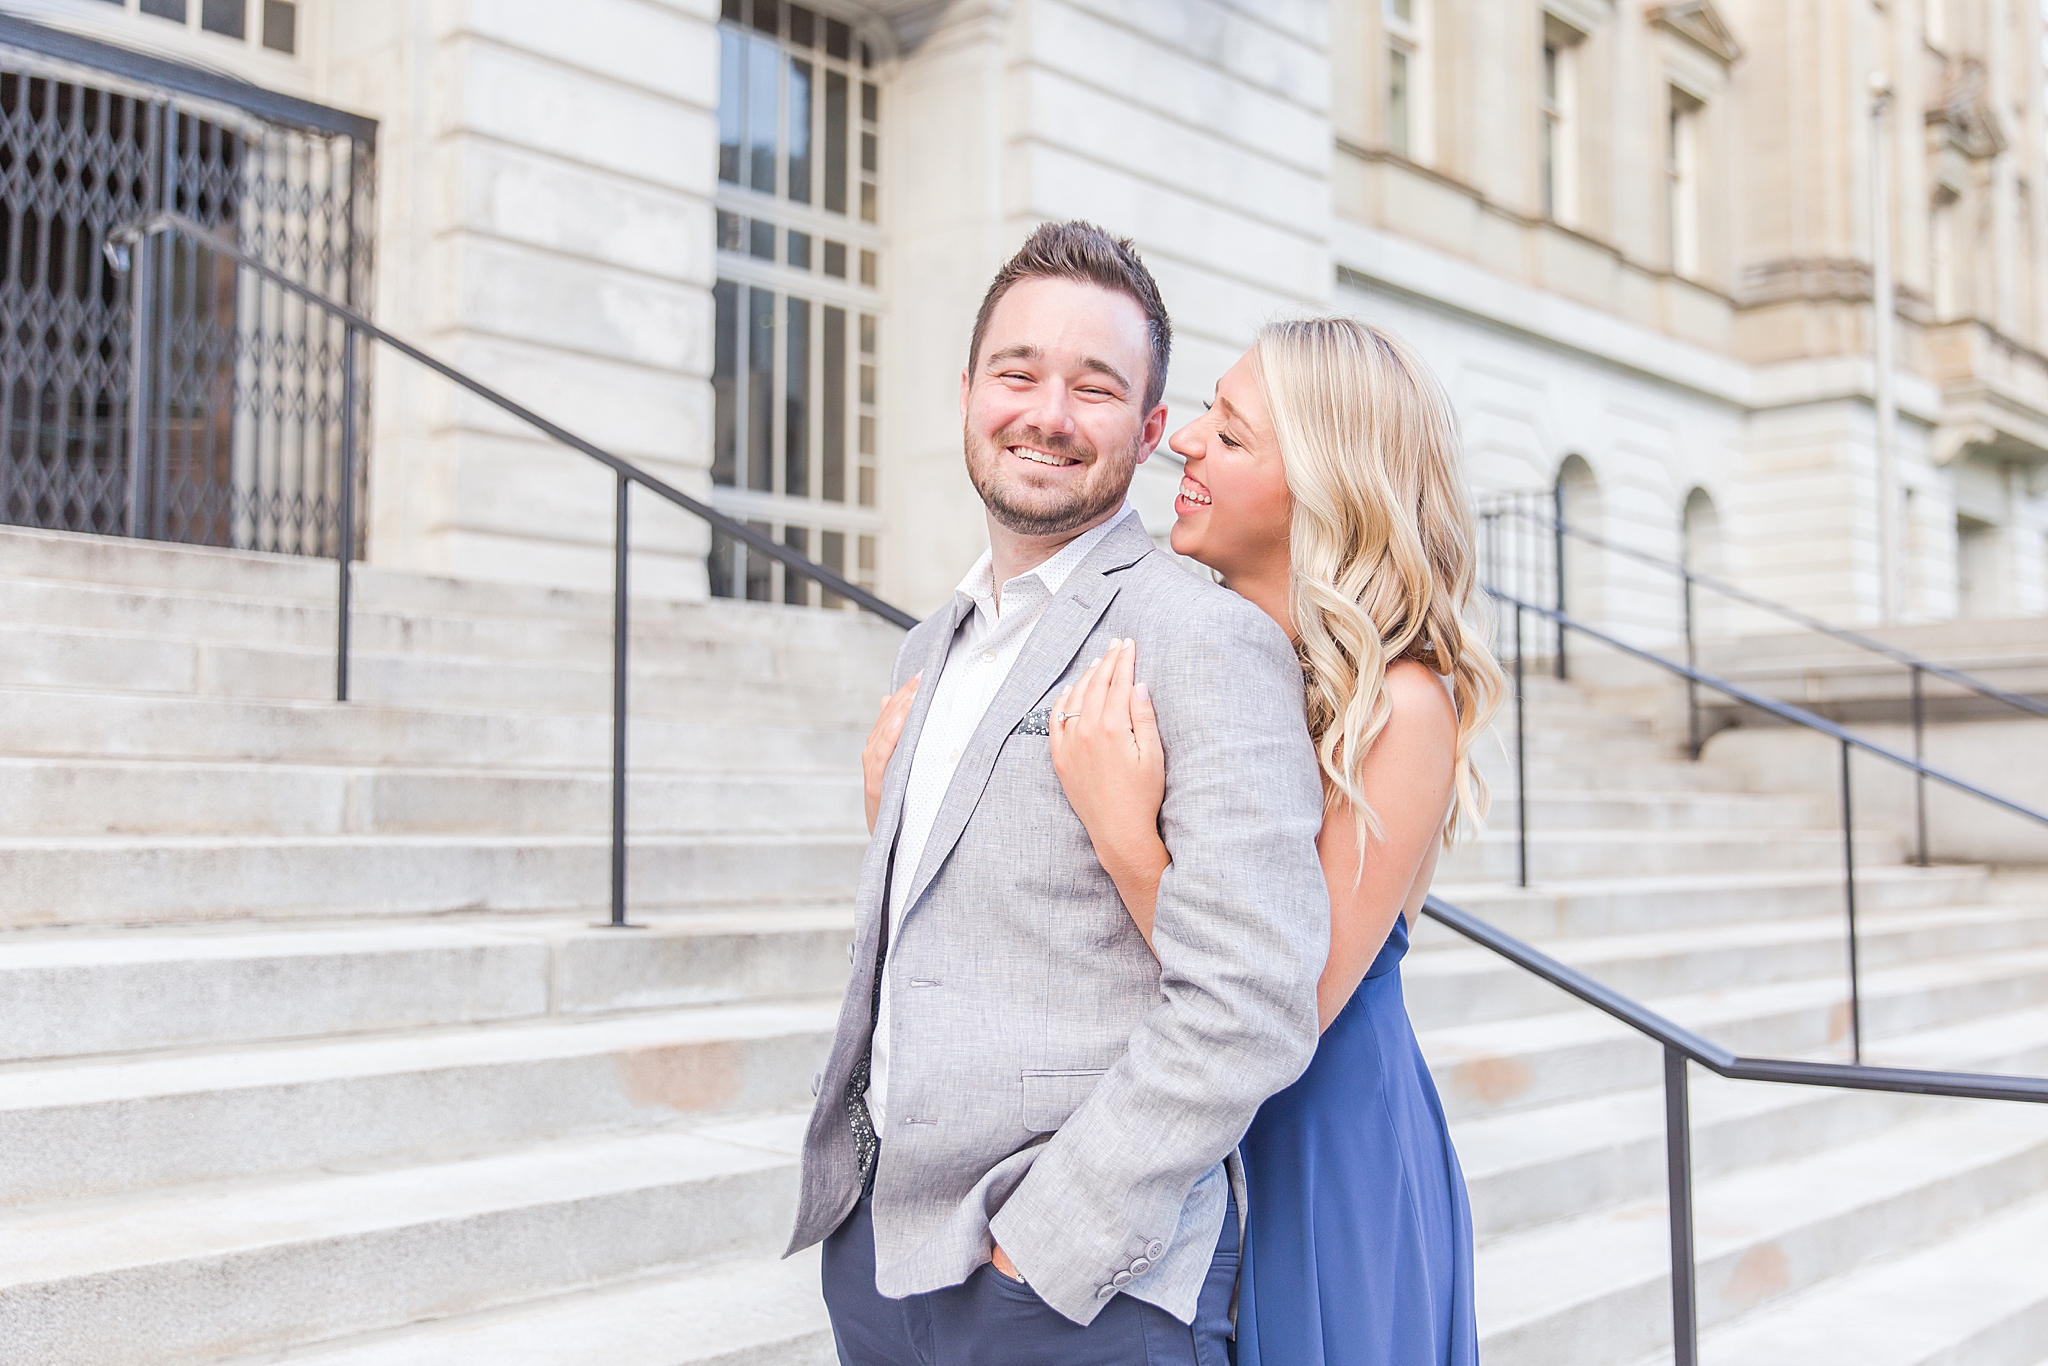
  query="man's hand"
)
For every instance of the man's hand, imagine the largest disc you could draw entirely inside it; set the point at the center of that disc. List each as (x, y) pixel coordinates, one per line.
(1006, 1266)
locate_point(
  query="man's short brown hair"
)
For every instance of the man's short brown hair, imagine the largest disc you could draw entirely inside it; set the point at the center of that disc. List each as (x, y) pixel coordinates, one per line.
(1081, 251)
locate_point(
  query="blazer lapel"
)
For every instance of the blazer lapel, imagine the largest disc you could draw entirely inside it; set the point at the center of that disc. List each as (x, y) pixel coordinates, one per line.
(896, 780)
(1052, 645)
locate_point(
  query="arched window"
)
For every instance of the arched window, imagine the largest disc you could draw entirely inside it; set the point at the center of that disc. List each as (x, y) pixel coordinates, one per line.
(1578, 505)
(798, 304)
(1700, 531)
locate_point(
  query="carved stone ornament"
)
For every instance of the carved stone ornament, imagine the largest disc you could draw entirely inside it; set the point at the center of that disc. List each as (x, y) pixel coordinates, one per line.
(1698, 22)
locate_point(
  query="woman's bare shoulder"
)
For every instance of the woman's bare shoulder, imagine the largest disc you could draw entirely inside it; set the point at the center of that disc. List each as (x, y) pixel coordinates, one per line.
(1421, 705)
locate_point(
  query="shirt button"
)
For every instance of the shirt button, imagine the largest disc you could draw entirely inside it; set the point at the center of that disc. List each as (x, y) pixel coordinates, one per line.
(988, 656)
(954, 757)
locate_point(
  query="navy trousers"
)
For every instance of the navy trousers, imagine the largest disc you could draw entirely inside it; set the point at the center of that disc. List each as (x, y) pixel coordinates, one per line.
(991, 1320)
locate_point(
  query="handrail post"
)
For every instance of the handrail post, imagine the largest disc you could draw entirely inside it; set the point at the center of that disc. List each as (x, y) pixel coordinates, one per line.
(619, 625)
(1521, 765)
(347, 552)
(1919, 777)
(1685, 1319)
(1849, 900)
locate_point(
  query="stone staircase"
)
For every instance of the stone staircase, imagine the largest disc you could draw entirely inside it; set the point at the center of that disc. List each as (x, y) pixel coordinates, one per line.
(310, 1052)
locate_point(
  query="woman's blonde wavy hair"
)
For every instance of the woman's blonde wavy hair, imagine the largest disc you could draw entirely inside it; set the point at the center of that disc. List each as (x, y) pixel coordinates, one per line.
(1381, 543)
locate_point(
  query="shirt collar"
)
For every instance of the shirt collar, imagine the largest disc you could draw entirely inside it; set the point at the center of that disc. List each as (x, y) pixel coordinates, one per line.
(980, 585)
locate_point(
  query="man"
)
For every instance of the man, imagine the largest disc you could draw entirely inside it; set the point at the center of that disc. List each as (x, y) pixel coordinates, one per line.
(1017, 1152)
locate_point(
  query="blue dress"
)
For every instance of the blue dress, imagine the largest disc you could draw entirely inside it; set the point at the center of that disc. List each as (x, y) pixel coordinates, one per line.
(1359, 1246)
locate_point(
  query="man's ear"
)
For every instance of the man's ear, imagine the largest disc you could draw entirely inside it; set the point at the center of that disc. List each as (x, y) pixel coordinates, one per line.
(964, 386)
(1154, 433)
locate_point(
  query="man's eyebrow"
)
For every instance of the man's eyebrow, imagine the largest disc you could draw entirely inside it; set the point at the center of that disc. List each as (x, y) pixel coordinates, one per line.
(1103, 367)
(1020, 351)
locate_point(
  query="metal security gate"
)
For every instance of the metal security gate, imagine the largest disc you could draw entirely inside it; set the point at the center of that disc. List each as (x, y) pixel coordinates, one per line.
(166, 393)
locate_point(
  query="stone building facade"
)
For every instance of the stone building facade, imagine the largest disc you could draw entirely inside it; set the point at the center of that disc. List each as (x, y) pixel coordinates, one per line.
(742, 243)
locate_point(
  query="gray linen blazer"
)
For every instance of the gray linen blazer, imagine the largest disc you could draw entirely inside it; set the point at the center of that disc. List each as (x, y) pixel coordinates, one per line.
(1053, 1086)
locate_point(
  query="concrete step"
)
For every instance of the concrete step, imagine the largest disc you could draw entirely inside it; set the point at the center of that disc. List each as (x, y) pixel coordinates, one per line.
(692, 638)
(1666, 773)
(78, 1129)
(110, 661)
(1471, 985)
(1595, 1288)
(155, 567)
(745, 1313)
(126, 796)
(1557, 910)
(1593, 809)
(52, 723)
(1514, 1064)
(78, 993)
(197, 1275)
(117, 880)
(1978, 1298)
(1531, 1167)
(1623, 853)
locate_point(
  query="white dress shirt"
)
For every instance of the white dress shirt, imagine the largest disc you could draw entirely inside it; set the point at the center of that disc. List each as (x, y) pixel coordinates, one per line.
(978, 663)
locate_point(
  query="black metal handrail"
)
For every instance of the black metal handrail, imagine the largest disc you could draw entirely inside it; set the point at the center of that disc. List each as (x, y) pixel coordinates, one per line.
(1918, 667)
(629, 474)
(1799, 716)
(1682, 1046)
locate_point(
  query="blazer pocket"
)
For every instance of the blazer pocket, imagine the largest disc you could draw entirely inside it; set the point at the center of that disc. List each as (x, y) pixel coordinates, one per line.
(1037, 723)
(1051, 1095)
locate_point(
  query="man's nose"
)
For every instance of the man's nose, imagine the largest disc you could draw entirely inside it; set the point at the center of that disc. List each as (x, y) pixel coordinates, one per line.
(1052, 412)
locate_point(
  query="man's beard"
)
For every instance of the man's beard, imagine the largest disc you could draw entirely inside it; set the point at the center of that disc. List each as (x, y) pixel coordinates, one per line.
(1084, 503)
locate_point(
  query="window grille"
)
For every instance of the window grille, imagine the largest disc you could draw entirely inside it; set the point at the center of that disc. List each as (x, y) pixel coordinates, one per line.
(798, 316)
(215, 416)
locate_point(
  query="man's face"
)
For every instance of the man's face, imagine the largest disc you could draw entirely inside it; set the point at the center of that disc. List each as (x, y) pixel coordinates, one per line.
(1054, 408)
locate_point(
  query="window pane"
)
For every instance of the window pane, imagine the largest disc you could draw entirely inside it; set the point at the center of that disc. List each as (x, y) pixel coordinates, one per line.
(867, 487)
(867, 334)
(867, 435)
(867, 209)
(867, 258)
(720, 563)
(796, 424)
(767, 15)
(800, 131)
(731, 232)
(761, 241)
(760, 389)
(1404, 10)
(799, 249)
(835, 142)
(867, 152)
(725, 384)
(729, 9)
(762, 64)
(223, 16)
(867, 385)
(832, 411)
(838, 40)
(803, 27)
(281, 26)
(760, 569)
(832, 554)
(732, 91)
(165, 9)
(867, 559)
(870, 103)
(835, 259)
(1397, 100)
(796, 589)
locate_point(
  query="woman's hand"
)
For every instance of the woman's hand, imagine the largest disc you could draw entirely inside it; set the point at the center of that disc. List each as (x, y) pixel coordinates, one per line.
(874, 756)
(1106, 751)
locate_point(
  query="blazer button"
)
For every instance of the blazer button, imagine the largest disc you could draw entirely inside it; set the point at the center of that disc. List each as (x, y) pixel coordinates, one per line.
(1155, 1249)
(1105, 1292)
(1121, 1279)
(1140, 1267)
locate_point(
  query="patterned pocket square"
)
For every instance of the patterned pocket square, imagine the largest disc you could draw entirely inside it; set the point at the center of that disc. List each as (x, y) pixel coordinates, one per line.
(1038, 723)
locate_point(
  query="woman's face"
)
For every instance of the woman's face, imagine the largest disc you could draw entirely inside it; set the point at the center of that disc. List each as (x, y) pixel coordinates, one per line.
(1233, 510)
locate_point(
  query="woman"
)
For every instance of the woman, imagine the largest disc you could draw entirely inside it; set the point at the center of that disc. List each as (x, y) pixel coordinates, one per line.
(1322, 484)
